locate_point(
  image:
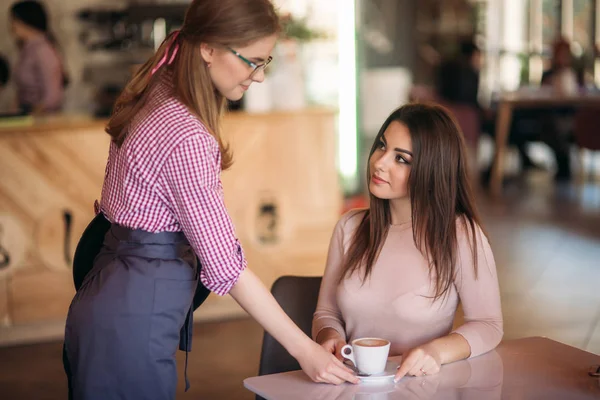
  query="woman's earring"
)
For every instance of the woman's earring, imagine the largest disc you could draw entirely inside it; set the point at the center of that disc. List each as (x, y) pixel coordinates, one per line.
(208, 64)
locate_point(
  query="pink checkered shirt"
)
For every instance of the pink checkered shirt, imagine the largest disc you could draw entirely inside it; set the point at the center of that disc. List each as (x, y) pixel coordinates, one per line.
(166, 177)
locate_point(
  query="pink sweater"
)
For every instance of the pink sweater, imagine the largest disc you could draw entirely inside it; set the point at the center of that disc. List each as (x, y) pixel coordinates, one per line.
(393, 302)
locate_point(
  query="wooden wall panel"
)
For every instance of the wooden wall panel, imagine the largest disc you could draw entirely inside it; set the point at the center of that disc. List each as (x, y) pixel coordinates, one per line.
(282, 193)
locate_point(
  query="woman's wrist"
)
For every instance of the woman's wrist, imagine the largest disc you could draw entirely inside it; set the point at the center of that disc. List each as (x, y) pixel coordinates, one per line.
(450, 348)
(327, 334)
(301, 347)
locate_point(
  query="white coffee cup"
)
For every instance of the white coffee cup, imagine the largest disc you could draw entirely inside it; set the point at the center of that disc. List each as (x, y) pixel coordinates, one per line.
(369, 355)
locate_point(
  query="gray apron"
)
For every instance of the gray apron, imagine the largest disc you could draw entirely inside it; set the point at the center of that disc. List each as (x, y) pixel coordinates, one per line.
(136, 292)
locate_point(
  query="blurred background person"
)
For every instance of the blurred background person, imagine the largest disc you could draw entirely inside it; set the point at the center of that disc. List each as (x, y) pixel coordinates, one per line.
(39, 74)
(457, 78)
(565, 79)
(562, 74)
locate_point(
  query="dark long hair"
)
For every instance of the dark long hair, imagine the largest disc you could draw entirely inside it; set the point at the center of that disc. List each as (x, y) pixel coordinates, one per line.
(33, 13)
(440, 193)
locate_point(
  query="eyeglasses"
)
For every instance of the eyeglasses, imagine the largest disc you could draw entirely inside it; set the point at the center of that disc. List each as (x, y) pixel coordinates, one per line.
(256, 67)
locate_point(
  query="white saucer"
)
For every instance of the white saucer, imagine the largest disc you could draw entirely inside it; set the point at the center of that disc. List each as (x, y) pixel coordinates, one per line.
(391, 368)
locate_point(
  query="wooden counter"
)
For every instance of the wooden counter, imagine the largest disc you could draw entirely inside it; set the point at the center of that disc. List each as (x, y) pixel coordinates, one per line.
(282, 192)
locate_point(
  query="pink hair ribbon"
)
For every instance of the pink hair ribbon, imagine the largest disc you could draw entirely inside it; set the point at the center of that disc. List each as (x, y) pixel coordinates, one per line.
(164, 58)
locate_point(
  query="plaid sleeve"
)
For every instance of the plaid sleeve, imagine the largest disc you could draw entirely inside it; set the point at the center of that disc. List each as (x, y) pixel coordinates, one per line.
(191, 178)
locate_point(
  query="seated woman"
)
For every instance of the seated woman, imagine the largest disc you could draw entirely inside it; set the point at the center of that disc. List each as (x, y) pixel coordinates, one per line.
(398, 269)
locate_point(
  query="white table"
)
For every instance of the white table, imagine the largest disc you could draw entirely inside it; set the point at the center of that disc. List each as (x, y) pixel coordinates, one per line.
(530, 368)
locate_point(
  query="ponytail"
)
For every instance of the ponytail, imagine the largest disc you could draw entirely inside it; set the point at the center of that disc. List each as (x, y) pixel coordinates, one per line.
(132, 98)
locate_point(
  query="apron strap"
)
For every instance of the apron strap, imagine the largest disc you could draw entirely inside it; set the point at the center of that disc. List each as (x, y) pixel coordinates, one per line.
(88, 248)
(185, 342)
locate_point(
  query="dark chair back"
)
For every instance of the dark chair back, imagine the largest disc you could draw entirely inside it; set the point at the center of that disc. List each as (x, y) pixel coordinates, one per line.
(298, 297)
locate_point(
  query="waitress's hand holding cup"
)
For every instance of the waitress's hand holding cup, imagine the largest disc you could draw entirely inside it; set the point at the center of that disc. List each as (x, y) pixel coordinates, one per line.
(369, 355)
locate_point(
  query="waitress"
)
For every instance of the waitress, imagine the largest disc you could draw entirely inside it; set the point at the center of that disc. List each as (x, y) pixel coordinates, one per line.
(39, 76)
(162, 238)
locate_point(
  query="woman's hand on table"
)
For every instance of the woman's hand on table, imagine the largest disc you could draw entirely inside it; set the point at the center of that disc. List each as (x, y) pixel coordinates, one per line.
(429, 357)
(332, 342)
(323, 367)
(420, 361)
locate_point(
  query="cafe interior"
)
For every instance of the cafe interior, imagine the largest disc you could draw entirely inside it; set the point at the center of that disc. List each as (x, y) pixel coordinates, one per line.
(520, 79)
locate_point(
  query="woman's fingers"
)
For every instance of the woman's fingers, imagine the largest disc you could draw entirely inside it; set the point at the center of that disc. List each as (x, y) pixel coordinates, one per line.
(408, 364)
(338, 349)
(331, 378)
(342, 371)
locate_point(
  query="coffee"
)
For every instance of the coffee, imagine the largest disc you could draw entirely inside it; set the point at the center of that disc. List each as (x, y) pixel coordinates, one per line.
(371, 342)
(368, 354)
